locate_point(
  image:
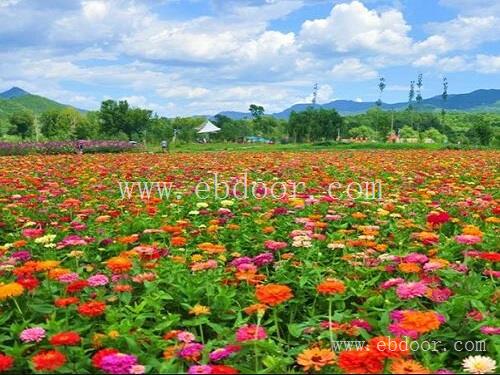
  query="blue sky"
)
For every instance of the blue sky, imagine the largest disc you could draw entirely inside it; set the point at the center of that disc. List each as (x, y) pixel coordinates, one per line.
(191, 57)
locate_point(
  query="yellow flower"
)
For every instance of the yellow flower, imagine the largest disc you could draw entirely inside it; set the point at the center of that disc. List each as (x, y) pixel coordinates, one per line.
(199, 310)
(227, 203)
(10, 290)
(196, 257)
(114, 334)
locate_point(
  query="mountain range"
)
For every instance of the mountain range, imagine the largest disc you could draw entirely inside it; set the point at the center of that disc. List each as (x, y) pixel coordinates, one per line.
(487, 100)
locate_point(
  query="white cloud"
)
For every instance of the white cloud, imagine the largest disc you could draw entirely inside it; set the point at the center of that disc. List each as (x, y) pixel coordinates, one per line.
(352, 27)
(466, 32)
(488, 64)
(353, 69)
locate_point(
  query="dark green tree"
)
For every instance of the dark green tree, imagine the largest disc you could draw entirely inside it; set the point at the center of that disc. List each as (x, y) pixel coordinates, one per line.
(22, 123)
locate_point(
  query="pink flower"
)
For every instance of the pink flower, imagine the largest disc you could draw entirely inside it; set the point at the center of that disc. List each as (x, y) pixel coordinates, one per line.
(32, 233)
(416, 258)
(137, 369)
(489, 330)
(391, 282)
(440, 295)
(467, 239)
(68, 278)
(221, 353)
(250, 332)
(191, 350)
(200, 369)
(185, 336)
(275, 245)
(98, 280)
(411, 290)
(35, 334)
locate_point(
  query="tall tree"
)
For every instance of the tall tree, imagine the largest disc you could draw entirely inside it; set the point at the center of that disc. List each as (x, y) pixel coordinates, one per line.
(113, 117)
(22, 123)
(444, 96)
(419, 90)
(411, 95)
(381, 86)
(257, 111)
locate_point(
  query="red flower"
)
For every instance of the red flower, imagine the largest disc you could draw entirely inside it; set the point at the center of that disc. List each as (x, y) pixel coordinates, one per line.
(76, 286)
(6, 362)
(28, 282)
(223, 369)
(363, 361)
(65, 302)
(389, 347)
(492, 257)
(49, 360)
(65, 338)
(437, 218)
(97, 357)
(93, 308)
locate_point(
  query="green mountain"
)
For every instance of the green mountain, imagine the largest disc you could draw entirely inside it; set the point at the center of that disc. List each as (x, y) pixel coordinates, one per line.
(16, 99)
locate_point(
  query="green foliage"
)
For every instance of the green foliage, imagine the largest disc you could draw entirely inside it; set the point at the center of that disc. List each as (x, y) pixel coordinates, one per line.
(314, 125)
(408, 132)
(22, 123)
(363, 132)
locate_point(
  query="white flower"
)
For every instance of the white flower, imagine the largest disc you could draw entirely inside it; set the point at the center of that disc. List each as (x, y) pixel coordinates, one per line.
(479, 364)
(194, 212)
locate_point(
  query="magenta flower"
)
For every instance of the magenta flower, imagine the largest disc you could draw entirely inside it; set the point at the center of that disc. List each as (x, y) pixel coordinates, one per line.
(275, 245)
(68, 278)
(118, 363)
(489, 330)
(411, 290)
(250, 332)
(200, 369)
(191, 350)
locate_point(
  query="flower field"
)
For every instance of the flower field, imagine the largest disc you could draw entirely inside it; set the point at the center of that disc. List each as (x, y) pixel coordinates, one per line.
(92, 282)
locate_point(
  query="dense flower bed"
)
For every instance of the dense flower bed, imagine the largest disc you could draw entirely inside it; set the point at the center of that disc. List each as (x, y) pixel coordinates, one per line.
(90, 282)
(63, 147)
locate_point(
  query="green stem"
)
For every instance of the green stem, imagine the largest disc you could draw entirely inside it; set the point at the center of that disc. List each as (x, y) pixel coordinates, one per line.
(275, 312)
(330, 321)
(256, 349)
(201, 334)
(19, 309)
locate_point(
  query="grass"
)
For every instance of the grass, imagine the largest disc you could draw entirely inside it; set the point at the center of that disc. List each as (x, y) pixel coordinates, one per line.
(196, 147)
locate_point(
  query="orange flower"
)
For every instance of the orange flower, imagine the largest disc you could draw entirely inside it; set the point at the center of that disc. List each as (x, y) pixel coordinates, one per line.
(316, 358)
(178, 241)
(10, 290)
(268, 230)
(273, 294)
(119, 264)
(420, 321)
(258, 308)
(128, 239)
(409, 267)
(211, 248)
(408, 366)
(331, 286)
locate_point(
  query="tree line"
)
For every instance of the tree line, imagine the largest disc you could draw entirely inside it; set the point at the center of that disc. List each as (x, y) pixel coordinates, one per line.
(118, 120)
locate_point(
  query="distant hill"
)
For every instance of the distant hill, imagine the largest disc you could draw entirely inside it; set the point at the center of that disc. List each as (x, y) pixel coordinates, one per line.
(479, 100)
(17, 99)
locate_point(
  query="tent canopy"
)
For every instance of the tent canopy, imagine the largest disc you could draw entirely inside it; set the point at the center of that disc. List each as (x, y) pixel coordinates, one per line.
(208, 127)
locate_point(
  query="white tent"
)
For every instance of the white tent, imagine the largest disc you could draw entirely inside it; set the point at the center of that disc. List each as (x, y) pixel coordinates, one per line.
(208, 127)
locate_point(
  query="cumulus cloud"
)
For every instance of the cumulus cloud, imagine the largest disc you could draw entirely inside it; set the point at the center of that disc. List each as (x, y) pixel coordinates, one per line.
(353, 69)
(352, 27)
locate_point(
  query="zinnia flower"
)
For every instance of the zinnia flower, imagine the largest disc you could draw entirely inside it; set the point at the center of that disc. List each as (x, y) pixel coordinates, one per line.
(92, 308)
(6, 362)
(250, 332)
(408, 366)
(478, 364)
(330, 287)
(118, 363)
(49, 360)
(273, 294)
(316, 358)
(65, 339)
(10, 290)
(411, 290)
(35, 334)
(364, 361)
